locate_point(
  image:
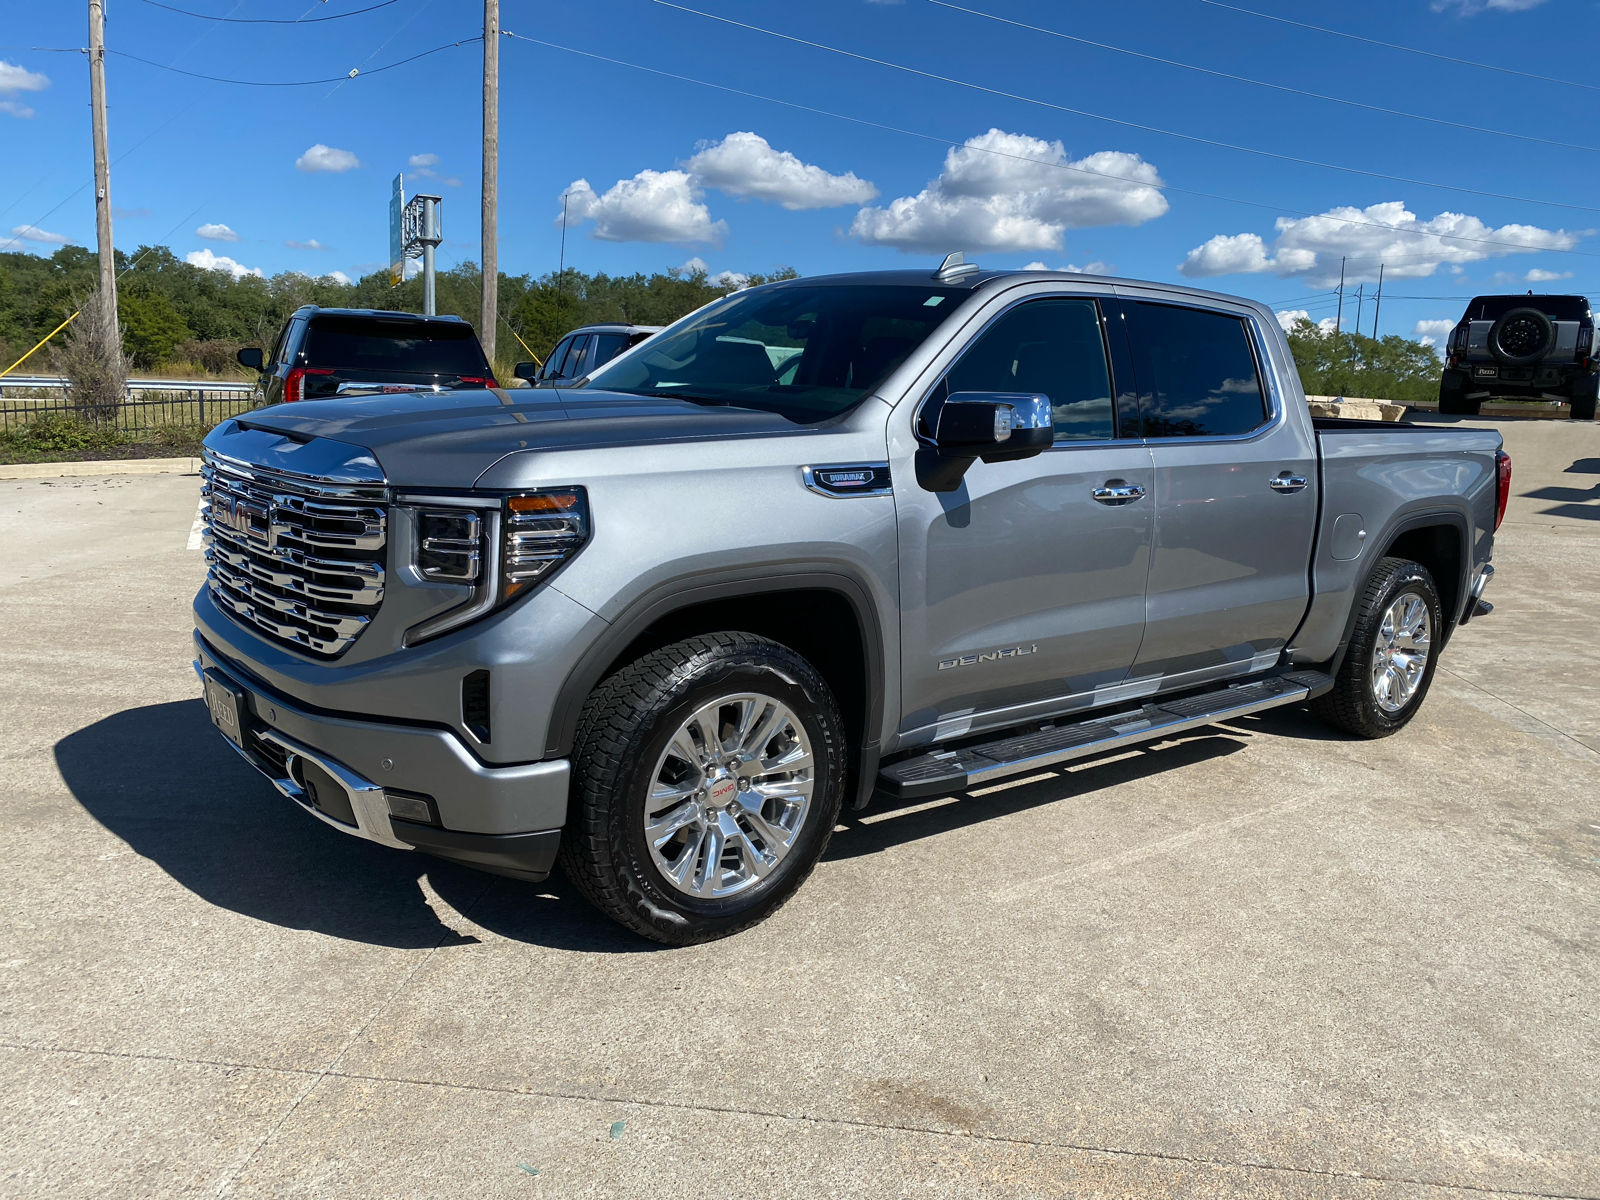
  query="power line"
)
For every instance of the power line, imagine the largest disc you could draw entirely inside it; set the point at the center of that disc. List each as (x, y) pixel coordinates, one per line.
(1277, 87)
(297, 82)
(269, 21)
(944, 141)
(1355, 37)
(1079, 112)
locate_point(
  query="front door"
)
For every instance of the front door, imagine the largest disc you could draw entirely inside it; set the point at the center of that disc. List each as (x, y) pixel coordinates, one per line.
(1235, 498)
(1022, 593)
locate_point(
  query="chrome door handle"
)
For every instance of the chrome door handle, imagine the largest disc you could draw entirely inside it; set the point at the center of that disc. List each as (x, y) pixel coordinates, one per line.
(1286, 482)
(1114, 491)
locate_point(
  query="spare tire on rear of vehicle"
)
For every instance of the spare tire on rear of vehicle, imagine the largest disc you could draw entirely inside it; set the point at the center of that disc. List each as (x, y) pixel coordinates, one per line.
(1521, 337)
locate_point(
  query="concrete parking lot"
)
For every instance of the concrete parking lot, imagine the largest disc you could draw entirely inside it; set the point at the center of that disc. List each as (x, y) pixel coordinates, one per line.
(1264, 959)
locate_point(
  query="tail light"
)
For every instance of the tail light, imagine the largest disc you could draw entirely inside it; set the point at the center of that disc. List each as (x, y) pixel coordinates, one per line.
(1502, 462)
(481, 380)
(1585, 342)
(293, 385)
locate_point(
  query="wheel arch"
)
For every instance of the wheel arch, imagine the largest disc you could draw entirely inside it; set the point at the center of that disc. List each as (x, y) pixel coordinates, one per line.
(826, 616)
(1439, 541)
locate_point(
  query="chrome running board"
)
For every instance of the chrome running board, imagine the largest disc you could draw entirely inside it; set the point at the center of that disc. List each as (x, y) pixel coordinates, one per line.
(944, 771)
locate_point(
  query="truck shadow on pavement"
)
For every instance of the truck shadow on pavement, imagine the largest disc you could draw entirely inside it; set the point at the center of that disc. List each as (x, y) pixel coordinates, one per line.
(163, 781)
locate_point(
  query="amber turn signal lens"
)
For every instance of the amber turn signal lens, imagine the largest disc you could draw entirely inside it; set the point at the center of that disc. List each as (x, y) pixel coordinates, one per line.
(544, 502)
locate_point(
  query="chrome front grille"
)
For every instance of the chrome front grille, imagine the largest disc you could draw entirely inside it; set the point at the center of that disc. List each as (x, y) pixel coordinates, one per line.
(297, 558)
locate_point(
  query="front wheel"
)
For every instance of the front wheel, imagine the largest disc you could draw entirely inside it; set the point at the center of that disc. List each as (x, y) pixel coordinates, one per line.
(707, 779)
(1389, 663)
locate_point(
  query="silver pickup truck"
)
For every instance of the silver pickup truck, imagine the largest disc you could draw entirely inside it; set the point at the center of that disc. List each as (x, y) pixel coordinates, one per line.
(894, 534)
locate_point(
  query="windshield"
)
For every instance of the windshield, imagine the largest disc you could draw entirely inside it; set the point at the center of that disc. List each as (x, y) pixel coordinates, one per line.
(386, 344)
(805, 353)
(1557, 308)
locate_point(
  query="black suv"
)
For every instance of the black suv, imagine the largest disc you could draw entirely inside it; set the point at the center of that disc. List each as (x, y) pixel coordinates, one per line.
(584, 351)
(1522, 348)
(323, 352)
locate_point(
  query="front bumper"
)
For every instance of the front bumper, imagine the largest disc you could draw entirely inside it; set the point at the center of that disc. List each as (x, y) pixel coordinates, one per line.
(501, 819)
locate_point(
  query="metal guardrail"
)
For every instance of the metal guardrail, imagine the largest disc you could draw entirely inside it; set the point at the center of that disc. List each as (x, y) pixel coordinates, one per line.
(58, 383)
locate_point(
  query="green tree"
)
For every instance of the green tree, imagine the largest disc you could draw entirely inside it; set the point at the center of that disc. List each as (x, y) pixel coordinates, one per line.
(151, 326)
(1348, 364)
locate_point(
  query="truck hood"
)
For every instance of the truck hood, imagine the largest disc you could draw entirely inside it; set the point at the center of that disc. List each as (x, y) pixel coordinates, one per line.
(449, 439)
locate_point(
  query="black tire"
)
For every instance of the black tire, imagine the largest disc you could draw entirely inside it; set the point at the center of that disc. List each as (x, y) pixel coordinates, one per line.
(1353, 705)
(625, 728)
(1451, 401)
(1521, 337)
(1584, 393)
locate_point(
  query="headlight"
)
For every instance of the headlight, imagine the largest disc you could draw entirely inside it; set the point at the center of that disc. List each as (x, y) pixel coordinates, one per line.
(500, 546)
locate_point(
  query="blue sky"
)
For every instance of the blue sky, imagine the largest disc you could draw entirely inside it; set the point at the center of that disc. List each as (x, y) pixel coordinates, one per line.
(906, 167)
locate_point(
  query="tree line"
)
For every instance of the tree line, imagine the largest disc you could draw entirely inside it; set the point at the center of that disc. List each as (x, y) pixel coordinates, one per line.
(180, 317)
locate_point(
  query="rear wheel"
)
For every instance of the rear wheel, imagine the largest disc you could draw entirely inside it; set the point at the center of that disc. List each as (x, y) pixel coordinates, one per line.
(1451, 400)
(1583, 397)
(707, 780)
(1389, 664)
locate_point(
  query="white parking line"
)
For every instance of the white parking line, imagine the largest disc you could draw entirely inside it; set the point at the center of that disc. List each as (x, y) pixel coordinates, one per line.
(198, 528)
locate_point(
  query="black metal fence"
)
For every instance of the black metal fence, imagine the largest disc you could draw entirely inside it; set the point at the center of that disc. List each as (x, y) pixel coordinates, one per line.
(195, 408)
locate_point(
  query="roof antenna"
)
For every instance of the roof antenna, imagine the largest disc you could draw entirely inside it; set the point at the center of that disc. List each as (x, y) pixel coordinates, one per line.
(955, 268)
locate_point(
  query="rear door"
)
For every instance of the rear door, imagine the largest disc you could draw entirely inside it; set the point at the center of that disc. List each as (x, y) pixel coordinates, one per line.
(1022, 593)
(1235, 495)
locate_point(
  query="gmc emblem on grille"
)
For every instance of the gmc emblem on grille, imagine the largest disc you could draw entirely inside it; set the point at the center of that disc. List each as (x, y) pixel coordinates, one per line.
(249, 520)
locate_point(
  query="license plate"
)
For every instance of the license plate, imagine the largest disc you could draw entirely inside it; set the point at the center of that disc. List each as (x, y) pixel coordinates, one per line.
(226, 704)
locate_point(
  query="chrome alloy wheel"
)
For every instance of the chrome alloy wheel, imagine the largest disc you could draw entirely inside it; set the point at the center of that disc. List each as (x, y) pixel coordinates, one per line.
(729, 795)
(1400, 655)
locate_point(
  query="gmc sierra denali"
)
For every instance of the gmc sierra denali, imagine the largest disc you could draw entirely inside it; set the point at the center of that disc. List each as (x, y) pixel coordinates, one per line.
(892, 534)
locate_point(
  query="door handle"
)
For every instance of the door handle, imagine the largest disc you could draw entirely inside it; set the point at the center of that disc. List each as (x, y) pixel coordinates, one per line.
(1285, 482)
(1115, 491)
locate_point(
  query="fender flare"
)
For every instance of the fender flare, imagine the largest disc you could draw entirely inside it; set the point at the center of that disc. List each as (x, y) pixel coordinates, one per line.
(1404, 524)
(667, 598)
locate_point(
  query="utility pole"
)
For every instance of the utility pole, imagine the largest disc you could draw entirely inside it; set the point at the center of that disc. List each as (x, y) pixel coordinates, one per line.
(1338, 321)
(102, 170)
(561, 268)
(490, 314)
(1360, 295)
(1377, 305)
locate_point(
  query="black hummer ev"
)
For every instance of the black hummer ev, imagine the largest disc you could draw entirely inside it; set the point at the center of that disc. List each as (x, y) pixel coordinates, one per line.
(1521, 348)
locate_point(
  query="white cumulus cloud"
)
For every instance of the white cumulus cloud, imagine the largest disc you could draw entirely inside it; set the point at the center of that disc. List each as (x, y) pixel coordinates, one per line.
(1384, 234)
(13, 79)
(746, 166)
(1288, 316)
(207, 261)
(653, 206)
(216, 233)
(313, 244)
(1467, 7)
(1538, 275)
(339, 277)
(42, 237)
(423, 160)
(1433, 334)
(326, 158)
(1009, 191)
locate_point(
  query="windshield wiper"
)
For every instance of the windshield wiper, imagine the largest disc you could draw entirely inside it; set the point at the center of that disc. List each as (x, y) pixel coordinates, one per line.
(689, 396)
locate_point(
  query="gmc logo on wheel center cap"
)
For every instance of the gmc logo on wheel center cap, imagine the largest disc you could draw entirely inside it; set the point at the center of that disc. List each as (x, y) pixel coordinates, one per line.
(723, 789)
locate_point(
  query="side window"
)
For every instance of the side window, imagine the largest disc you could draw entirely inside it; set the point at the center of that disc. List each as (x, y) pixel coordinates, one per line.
(577, 356)
(285, 341)
(1053, 347)
(1204, 374)
(552, 365)
(607, 347)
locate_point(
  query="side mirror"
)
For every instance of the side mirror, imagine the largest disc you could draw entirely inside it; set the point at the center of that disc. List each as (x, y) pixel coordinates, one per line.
(993, 426)
(526, 370)
(252, 357)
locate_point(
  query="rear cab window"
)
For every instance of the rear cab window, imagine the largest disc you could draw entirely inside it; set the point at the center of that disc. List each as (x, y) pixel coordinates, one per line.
(1197, 372)
(352, 345)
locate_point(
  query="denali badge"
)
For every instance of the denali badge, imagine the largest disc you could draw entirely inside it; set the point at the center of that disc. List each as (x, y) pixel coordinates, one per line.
(966, 660)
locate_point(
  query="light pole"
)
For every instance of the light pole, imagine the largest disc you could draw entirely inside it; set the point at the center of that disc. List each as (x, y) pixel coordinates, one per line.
(490, 312)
